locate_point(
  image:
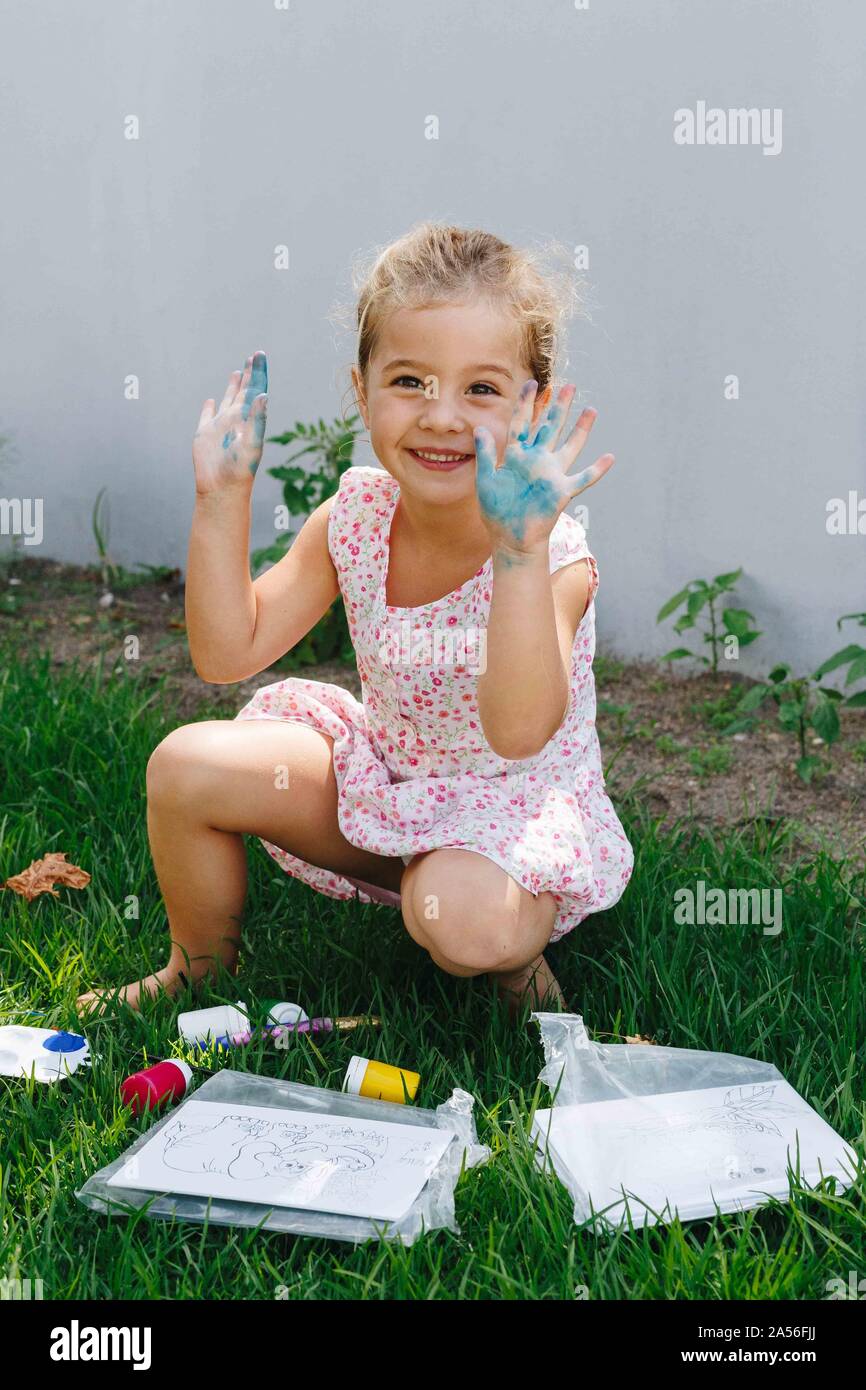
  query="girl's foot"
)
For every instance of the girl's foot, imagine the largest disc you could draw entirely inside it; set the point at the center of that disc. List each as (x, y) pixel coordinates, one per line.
(535, 982)
(96, 1001)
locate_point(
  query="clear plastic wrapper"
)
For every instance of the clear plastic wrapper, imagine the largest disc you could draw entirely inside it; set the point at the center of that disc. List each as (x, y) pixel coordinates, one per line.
(433, 1209)
(639, 1133)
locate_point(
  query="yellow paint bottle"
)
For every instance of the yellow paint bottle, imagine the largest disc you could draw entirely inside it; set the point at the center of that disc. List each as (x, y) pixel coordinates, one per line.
(379, 1081)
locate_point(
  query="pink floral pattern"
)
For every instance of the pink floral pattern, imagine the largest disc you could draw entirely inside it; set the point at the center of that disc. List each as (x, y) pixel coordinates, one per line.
(413, 769)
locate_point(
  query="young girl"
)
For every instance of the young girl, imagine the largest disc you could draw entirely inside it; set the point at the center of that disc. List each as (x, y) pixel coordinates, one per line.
(466, 790)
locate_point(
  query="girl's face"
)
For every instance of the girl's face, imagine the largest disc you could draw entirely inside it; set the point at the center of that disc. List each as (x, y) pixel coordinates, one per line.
(436, 373)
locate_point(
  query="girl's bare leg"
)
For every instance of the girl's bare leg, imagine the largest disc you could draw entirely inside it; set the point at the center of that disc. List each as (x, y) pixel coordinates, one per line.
(536, 983)
(209, 784)
(484, 923)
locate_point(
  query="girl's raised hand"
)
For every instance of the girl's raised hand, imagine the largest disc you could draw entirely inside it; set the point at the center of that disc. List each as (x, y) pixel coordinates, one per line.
(522, 498)
(227, 446)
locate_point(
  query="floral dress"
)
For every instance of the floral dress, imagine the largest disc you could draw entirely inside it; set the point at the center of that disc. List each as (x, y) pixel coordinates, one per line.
(413, 769)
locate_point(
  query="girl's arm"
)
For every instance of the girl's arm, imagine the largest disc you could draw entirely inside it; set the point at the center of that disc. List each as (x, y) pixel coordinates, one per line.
(235, 627)
(219, 601)
(524, 690)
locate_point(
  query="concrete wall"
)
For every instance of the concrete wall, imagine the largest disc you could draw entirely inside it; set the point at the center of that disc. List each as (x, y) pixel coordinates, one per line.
(304, 125)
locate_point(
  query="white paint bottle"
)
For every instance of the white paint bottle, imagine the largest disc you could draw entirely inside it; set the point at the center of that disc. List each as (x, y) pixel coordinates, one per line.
(204, 1025)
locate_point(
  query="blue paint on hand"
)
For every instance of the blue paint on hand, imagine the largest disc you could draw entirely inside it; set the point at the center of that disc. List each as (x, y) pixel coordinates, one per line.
(257, 383)
(510, 496)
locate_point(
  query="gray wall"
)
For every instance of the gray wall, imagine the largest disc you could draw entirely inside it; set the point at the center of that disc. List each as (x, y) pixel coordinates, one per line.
(261, 126)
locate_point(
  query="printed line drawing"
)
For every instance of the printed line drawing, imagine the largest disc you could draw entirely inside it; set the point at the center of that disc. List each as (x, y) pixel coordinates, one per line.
(289, 1158)
(743, 1110)
(247, 1150)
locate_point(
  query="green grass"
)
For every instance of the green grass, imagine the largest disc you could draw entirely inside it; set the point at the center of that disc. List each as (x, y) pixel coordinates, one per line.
(710, 760)
(74, 746)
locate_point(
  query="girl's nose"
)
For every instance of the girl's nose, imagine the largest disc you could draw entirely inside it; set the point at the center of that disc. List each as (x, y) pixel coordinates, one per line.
(442, 412)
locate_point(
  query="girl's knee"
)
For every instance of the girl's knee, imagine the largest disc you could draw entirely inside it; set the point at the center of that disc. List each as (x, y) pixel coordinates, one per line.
(455, 915)
(486, 941)
(178, 764)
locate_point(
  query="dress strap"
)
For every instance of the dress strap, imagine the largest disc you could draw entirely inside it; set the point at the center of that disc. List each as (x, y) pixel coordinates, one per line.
(357, 542)
(567, 544)
(360, 506)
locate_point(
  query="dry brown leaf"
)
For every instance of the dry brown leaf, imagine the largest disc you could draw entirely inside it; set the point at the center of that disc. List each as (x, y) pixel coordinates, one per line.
(39, 877)
(179, 626)
(640, 1038)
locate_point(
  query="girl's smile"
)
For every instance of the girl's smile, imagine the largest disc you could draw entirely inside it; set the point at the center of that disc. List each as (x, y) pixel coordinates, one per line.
(440, 460)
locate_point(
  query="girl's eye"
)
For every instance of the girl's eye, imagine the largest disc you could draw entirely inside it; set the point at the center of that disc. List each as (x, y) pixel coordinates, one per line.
(413, 381)
(485, 386)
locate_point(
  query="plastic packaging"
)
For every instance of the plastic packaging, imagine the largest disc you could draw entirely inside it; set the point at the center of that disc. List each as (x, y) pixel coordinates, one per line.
(380, 1081)
(710, 1151)
(432, 1210)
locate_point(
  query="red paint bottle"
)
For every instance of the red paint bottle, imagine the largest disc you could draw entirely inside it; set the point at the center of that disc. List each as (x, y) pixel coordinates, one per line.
(163, 1084)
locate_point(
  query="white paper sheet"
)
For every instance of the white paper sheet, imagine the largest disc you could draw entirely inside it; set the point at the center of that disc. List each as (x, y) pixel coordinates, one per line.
(691, 1148)
(288, 1158)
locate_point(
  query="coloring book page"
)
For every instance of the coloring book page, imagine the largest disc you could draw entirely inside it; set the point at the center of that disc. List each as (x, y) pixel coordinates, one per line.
(288, 1158)
(727, 1143)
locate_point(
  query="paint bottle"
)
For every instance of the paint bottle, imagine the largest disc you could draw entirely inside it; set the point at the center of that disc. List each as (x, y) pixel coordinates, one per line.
(165, 1083)
(276, 1031)
(204, 1025)
(278, 1011)
(271, 1030)
(379, 1081)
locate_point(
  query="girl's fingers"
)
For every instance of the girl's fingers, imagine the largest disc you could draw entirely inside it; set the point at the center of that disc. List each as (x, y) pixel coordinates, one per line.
(258, 420)
(207, 413)
(485, 456)
(539, 414)
(238, 397)
(552, 425)
(578, 437)
(255, 430)
(257, 382)
(521, 420)
(540, 407)
(590, 475)
(231, 390)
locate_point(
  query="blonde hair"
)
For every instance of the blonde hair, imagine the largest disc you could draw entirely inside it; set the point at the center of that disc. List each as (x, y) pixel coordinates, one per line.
(436, 263)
